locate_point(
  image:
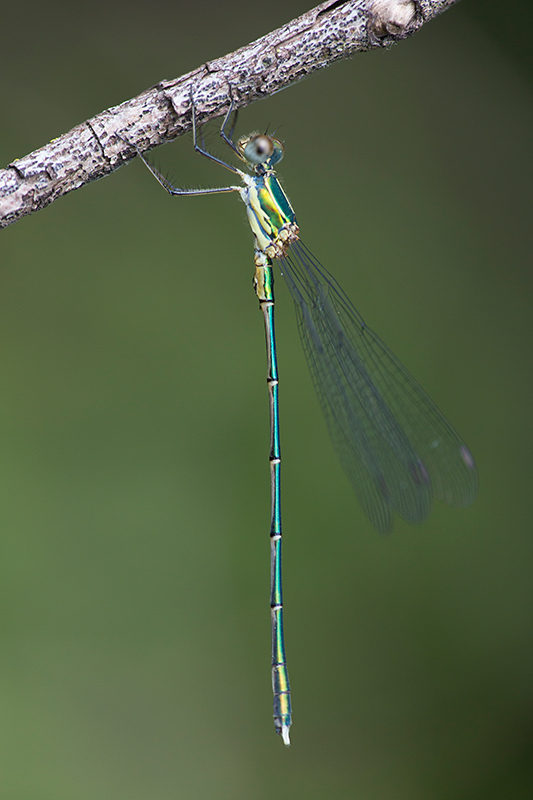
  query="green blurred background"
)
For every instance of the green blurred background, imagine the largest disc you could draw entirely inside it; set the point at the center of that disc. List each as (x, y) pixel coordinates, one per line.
(134, 428)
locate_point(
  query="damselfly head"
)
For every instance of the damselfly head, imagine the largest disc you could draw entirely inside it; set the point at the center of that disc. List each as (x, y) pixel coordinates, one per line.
(260, 149)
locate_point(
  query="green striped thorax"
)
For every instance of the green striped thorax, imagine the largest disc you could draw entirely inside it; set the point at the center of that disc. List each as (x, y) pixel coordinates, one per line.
(270, 213)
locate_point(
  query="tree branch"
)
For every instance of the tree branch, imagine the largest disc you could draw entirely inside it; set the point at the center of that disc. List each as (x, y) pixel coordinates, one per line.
(333, 30)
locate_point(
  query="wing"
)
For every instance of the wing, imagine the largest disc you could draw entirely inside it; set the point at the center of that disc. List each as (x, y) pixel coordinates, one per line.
(394, 444)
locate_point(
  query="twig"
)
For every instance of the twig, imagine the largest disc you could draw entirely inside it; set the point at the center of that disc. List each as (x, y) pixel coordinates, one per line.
(333, 30)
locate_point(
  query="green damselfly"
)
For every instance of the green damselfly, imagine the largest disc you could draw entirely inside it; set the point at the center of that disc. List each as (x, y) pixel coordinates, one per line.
(394, 444)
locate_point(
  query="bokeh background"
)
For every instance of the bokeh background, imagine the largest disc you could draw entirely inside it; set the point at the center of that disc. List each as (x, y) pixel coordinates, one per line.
(134, 478)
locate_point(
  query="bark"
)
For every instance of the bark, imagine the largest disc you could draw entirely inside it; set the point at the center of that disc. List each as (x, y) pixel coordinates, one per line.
(333, 30)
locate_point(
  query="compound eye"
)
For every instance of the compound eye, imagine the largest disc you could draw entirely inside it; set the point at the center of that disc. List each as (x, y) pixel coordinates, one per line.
(259, 149)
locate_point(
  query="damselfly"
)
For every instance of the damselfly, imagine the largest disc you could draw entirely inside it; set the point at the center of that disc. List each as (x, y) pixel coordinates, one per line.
(394, 444)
